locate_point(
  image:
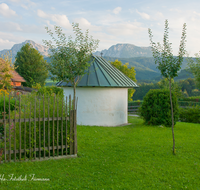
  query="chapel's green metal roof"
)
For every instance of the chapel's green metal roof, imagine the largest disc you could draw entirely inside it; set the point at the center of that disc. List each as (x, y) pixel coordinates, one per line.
(102, 74)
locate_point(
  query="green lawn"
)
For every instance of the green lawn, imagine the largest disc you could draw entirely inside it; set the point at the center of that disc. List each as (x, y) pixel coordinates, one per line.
(129, 157)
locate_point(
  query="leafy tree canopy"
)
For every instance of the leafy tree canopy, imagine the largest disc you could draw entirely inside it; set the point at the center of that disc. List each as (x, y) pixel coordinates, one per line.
(70, 58)
(6, 68)
(195, 68)
(164, 84)
(31, 65)
(129, 72)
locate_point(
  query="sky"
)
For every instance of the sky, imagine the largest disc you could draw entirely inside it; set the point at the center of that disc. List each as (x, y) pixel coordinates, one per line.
(110, 21)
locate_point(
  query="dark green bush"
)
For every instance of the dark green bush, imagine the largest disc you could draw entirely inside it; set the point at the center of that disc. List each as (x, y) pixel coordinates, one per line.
(188, 103)
(156, 108)
(191, 115)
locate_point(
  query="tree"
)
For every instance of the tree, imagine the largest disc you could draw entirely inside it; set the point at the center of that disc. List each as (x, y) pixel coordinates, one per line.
(195, 68)
(31, 66)
(167, 63)
(129, 72)
(70, 58)
(164, 84)
(6, 68)
(187, 85)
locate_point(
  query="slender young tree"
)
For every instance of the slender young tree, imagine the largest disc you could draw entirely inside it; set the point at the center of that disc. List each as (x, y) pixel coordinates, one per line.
(167, 63)
(70, 58)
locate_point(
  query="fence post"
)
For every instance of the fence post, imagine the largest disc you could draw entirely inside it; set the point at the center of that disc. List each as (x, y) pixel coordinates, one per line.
(71, 125)
(4, 117)
(75, 132)
(66, 127)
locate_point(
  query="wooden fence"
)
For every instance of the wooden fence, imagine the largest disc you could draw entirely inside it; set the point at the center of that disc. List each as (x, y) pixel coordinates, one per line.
(135, 108)
(37, 128)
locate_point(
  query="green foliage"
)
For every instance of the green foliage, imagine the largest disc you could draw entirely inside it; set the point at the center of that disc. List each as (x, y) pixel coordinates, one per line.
(191, 115)
(164, 84)
(167, 63)
(192, 99)
(143, 89)
(70, 58)
(129, 72)
(195, 68)
(12, 107)
(135, 103)
(156, 108)
(49, 90)
(31, 66)
(187, 85)
(188, 103)
(181, 88)
(6, 69)
(195, 92)
(28, 103)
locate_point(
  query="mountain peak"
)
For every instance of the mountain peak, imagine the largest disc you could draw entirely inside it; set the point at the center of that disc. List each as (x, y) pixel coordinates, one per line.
(126, 51)
(17, 47)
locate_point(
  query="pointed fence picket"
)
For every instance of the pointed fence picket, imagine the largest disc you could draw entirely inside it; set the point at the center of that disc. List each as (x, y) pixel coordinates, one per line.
(28, 136)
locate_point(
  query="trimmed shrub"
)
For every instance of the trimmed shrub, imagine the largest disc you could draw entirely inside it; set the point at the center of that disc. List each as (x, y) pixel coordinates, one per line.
(191, 115)
(188, 103)
(156, 108)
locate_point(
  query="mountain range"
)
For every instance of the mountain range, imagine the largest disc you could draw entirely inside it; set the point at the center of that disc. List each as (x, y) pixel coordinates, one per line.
(125, 51)
(17, 47)
(139, 57)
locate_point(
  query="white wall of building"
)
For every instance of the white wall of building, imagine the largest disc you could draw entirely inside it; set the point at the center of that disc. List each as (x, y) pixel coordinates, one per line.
(100, 106)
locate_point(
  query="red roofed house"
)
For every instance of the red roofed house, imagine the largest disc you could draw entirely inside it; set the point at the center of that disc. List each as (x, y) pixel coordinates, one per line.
(16, 79)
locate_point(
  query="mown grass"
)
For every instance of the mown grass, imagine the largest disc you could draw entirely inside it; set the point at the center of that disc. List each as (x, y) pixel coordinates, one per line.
(129, 157)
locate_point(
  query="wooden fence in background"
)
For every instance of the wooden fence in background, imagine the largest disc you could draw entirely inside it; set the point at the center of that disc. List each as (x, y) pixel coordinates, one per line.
(133, 108)
(39, 130)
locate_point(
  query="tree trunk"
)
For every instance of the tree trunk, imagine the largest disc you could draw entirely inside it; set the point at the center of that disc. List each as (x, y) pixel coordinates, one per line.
(74, 99)
(172, 113)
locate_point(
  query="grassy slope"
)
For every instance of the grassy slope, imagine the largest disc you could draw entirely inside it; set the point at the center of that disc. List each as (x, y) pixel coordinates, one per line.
(129, 157)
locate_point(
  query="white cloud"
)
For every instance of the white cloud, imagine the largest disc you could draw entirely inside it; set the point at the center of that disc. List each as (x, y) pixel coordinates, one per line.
(10, 26)
(60, 20)
(159, 15)
(126, 29)
(6, 11)
(85, 24)
(15, 1)
(7, 40)
(117, 10)
(24, 6)
(6, 44)
(42, 14)
(143, 15)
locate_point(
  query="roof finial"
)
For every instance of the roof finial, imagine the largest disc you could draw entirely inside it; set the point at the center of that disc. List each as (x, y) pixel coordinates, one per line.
(101, 54)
